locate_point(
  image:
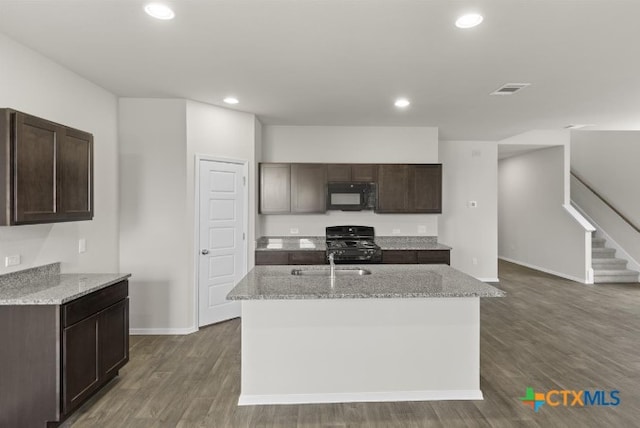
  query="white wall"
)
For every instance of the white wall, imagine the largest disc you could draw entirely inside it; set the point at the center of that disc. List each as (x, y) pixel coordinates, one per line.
(153, 212)
(36, 85)
(534, 227)
(221, 133)
(470, 173)
(349, 144)
(609, 162)
(160, 139)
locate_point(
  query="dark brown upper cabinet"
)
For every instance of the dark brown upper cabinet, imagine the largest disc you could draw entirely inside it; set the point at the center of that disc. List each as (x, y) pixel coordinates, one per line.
(345, 172)
(47, 171)
(293, 188)
(275, 188)
(308, 188)
(414, 188)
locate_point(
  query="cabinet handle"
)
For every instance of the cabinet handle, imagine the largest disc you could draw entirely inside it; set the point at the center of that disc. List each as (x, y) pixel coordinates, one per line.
(205, 251)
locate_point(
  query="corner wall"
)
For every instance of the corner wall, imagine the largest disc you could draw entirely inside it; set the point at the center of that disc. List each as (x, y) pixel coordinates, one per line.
(160, 139)
(33, 84)
(534, 228)
(349, 144)
(153, 216)
(470, 173)
(608, 161)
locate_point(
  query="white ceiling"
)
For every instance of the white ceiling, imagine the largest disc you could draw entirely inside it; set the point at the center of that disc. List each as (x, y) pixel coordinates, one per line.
(343, 62)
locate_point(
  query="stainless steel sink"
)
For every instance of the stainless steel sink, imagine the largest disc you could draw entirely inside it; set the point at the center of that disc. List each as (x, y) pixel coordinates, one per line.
(339, 271)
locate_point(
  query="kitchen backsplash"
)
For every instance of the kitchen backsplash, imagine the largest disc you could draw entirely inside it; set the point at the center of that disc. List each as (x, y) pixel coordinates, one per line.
(384, 224)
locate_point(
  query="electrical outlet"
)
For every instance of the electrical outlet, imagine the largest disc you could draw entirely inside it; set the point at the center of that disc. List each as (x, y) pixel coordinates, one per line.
(422, 228)
(294, 231)
(82, 245)
(12, 260)
(473, 204)
(395, 231)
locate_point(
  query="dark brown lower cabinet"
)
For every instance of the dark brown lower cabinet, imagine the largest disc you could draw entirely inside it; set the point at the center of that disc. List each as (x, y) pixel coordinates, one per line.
(60, 355)
(93, 350)
(291, 257)
(416, 256)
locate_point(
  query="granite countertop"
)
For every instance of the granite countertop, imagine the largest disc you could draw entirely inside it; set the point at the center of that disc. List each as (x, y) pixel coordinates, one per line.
(291, 243)
(45, 285)
(385, 281)
(317, 243)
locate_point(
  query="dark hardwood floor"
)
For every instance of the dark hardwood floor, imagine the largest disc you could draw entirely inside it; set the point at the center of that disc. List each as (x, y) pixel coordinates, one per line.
(548, 333)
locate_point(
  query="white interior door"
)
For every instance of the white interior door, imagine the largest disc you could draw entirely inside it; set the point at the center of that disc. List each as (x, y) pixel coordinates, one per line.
(222, 239)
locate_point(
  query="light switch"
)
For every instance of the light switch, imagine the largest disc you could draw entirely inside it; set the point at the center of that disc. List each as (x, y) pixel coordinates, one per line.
(82, 245)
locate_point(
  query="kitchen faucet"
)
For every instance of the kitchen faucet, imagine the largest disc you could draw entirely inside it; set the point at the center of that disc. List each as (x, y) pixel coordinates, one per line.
(333, 269)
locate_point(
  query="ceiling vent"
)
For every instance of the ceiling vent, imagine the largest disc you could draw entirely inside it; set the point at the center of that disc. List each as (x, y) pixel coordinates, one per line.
(510, 88)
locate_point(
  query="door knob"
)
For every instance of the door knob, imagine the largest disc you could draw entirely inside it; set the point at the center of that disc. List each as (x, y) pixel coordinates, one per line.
(205, 251)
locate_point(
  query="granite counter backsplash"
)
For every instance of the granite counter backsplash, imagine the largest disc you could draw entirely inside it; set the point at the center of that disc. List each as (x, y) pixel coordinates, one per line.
(317, 243)
(291, 243)
(45, 285)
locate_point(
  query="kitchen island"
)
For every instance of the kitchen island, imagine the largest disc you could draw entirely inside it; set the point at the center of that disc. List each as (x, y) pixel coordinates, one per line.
(400, 333)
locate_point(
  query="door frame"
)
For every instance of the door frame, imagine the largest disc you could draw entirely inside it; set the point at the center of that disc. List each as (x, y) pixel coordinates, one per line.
(196, 229)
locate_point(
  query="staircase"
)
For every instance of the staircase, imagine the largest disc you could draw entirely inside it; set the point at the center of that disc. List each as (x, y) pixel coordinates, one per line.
(606, 267)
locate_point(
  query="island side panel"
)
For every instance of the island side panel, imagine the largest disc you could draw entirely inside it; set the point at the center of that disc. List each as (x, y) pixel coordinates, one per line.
(349, 350)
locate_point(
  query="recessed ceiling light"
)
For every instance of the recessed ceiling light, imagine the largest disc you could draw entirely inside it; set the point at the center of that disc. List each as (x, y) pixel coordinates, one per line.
(576, 126)
(159, 11)
(468, 21)
(231, 100)
(402, 102)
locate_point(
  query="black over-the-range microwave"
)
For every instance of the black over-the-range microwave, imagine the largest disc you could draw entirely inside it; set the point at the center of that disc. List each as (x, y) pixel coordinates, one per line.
(351, 196)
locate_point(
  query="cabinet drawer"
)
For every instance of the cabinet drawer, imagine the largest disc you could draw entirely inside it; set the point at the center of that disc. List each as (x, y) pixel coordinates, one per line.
(272, 258)
(399, 257)
(90, 304)
(433, 257)
(307, 258)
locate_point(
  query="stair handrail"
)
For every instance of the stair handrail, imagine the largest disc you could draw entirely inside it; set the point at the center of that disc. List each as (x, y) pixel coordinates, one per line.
(606, 202)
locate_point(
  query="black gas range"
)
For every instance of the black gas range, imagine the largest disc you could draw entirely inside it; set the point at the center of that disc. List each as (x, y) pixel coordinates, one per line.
(352, 244)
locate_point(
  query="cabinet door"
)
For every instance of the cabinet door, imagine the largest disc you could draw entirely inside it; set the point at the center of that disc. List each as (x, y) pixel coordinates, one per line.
(399, 257)
(275, 188)
(363, 172)
(308, 188)
(81, 375)
(76, 176)
(35, 150)
(338, 172)
(433, 256)
(272, 258)
(393, 184)
(307, 258)
(425, 188)
(113, 336)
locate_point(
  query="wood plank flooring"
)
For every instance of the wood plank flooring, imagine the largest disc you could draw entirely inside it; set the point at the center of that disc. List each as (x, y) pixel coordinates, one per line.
(548, 333)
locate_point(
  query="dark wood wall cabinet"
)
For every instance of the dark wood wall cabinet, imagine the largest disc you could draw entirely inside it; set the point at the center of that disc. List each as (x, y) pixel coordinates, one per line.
(47, 171)
(409, 188)
(293, 188)
(60, 355)
(306, 257)
(301, 188)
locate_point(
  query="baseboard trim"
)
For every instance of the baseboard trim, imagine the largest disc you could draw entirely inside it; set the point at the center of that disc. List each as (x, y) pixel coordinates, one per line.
(489, 279)
(161, 331)
(545, 270)
(359, 397)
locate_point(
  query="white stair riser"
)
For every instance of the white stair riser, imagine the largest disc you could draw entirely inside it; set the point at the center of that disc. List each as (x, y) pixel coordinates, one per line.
(615, 279)
(597, 243)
